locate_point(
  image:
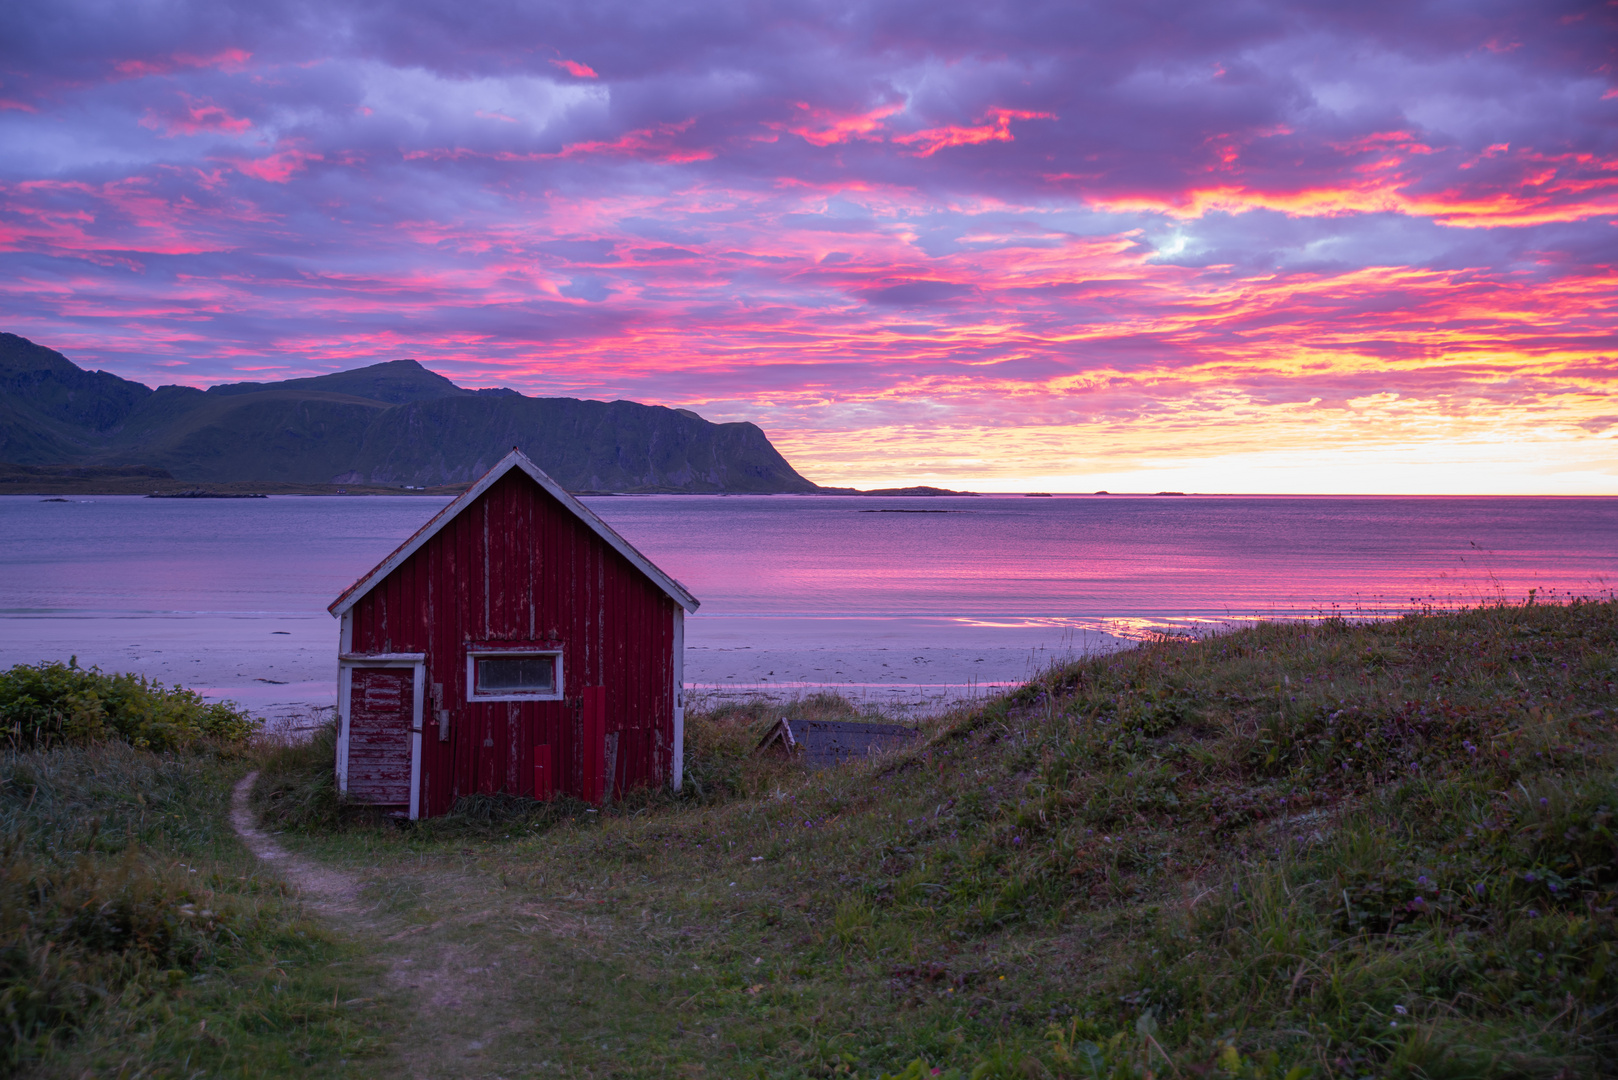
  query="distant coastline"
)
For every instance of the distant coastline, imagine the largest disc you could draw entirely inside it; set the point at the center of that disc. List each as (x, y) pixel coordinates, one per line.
(386, 428)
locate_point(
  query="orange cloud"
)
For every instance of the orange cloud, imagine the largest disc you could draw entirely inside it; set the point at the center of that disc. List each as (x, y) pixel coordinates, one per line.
(1550, 203)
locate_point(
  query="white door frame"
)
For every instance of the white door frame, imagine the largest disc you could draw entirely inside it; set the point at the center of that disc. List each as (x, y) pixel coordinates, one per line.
(346, 663)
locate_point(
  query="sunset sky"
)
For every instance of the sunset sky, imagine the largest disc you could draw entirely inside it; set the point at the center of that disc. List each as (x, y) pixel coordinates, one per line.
(1244, 246)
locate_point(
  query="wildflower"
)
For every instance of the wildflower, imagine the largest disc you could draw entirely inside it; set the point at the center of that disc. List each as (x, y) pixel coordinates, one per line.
(1401, 1010)
(1533, 913)
(1544, 802)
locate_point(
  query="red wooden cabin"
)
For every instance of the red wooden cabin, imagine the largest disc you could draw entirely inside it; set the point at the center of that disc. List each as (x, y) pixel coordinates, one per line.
(515, 644)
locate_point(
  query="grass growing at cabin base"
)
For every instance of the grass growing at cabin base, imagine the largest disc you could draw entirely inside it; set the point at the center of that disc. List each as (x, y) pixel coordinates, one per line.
(137, 938)
(1324, 850)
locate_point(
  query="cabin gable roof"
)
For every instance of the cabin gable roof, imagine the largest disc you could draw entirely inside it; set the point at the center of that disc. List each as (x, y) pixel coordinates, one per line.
(520, 461)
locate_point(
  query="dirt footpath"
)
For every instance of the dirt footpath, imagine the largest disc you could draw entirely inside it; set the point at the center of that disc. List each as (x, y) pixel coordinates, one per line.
(328, 892)
(455, 1009)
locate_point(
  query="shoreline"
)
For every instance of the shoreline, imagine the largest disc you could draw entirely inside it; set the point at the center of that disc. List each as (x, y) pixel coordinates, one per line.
(281, 665)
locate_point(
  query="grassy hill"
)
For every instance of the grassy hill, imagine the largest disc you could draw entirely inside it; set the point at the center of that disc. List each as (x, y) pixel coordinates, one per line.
(388, 424)
(1325, 850)
(1309, 850)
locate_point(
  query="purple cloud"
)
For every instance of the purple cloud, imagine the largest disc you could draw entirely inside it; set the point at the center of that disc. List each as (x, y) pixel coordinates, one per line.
(832, 217)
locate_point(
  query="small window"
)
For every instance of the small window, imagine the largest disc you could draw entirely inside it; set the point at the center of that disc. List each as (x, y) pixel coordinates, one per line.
(515, 676)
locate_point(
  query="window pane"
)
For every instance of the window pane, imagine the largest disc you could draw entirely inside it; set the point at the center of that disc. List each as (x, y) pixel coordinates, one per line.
(534, 674)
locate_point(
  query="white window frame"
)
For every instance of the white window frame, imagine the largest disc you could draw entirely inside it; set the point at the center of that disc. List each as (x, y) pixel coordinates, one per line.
(474, 654)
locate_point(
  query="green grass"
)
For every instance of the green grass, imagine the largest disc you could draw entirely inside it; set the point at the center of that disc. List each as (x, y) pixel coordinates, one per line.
(1323, 849)
(137, 938)
(1305, 850)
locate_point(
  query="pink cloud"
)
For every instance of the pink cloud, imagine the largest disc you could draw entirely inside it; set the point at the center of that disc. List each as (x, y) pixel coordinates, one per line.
(997, 128)
(576, 69)
(277, 168)
(823, 127)
(226, 60)
(1224, 236)
(197, 116)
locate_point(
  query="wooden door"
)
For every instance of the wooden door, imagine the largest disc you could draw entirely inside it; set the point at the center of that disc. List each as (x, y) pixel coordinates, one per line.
(380, 711)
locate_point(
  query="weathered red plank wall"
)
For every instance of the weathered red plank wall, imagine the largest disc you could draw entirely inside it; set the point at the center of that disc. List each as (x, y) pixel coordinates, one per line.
(516, 568)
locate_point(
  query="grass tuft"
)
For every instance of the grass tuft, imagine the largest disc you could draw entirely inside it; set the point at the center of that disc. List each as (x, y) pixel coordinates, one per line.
(135, 933)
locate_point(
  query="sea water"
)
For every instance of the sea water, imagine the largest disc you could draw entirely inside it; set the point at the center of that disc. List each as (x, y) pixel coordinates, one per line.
(907, 602)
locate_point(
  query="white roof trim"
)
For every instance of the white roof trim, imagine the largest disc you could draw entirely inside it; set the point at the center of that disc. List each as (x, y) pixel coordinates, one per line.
(514, 460)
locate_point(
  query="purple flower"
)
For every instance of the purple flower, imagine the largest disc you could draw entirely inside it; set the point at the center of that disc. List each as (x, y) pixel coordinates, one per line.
(1533, 913)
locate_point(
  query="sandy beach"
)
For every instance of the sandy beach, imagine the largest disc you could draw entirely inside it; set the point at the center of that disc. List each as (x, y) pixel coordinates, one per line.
(284, 668)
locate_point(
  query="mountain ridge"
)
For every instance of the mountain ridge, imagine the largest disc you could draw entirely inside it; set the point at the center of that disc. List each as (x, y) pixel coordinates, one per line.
(394, 423)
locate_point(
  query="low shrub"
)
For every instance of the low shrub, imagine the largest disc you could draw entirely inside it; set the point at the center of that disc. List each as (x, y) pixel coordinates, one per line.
(55, 704)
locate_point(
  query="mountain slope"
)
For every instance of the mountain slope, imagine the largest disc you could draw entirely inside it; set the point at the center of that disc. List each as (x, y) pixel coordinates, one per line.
(390, 423)
(584, 445)
(51, 409)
